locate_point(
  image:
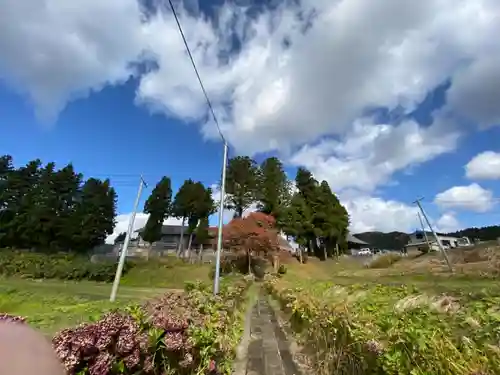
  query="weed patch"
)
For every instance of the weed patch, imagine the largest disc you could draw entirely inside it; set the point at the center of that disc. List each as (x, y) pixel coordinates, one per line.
(381, 329)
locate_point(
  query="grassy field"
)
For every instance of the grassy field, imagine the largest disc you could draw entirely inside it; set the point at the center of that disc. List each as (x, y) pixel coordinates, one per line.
(51, 305)
(475, 270)
(411, 316)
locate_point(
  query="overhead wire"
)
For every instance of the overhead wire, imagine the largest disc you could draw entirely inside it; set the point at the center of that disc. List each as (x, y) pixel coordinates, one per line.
(209, 103)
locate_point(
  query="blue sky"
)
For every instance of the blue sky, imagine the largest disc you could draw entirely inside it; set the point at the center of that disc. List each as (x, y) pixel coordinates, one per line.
(385, 115)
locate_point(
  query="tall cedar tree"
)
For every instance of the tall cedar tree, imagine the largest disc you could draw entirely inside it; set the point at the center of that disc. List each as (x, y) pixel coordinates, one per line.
(297, 220)
(307, 186)
(182, 207)
(241, 184)
(202, 206)
(273, 188)
(95, 214)
(6, 170)
(43, 208)
(330, 220)
(158, 206)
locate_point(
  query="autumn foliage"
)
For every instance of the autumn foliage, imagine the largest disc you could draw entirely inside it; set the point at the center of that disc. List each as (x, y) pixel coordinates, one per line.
(254, 235)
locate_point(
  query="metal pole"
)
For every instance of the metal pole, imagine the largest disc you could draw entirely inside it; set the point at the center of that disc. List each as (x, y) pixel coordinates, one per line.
(221, 212)
(123, 254)
(435, 236)
(423, 230)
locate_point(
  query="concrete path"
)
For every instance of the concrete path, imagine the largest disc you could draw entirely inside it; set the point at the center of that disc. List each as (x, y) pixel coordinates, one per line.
(268, 349)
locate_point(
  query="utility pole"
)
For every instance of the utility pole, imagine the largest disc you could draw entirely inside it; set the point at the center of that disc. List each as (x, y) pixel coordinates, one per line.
(443, 251)
(221, 212)
(123, 254)
(424, 231)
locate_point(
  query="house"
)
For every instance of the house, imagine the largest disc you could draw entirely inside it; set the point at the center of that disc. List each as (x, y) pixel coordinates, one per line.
(354, 244)
(171, 238)
(418, 241)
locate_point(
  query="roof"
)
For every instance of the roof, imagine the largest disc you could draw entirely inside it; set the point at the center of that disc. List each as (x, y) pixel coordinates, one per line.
(352, 239)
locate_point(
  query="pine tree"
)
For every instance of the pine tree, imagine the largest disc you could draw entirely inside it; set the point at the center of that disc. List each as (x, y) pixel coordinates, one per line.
(66, 187)
(181, 207)
(6, 170)
(43, 208)
(273, 187)
(241, 184)
(307, 187)
(23, 185)
(94, 214)
(158, 206)
(297, 221)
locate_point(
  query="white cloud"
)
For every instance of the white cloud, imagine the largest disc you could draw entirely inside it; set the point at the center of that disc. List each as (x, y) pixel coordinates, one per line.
(472, 197)
(55, 50)
(371, 153)
(484, 166)
(376, 214)
(123, 220)
(341, 57)
(447, 223)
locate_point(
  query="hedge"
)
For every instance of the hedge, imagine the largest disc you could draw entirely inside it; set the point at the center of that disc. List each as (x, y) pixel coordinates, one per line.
(190, 332)
(32, 265)
(392, 329)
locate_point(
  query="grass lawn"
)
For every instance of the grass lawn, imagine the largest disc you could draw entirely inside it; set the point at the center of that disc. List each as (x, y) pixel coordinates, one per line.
(51, 305)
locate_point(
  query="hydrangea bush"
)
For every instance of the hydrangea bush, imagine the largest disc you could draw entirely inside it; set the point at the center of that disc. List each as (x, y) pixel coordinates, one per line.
(190, 332)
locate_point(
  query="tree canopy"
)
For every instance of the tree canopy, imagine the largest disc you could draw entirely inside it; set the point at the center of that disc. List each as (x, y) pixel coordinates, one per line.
(315, 217)
(241, 184)
(158, 206)
(45, 208)
(273, 188)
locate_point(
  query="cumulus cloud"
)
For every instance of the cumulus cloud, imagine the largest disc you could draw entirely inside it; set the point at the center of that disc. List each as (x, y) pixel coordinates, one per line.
(376, 214)
(472, 197)
(294, 77)
(447, 223)
(58, 50)
(484, 166)
(123, 220)
(300, 72)
(371, 153)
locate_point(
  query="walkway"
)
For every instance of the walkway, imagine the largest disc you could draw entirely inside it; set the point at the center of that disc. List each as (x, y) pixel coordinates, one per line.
(268, 349)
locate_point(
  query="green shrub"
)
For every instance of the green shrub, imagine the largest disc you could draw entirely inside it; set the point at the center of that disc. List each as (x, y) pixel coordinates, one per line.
(32, 265)
(282, 269)
(383, 261)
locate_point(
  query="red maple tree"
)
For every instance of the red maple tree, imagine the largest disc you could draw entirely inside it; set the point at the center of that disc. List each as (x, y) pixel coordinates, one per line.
(254, 235)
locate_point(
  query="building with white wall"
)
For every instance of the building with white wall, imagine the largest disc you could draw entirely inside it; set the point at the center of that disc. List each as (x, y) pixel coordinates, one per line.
(418, 241)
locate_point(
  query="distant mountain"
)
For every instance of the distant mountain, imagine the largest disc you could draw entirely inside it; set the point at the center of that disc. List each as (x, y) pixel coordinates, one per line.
(397, 240)
(490, 233)
(390, 241)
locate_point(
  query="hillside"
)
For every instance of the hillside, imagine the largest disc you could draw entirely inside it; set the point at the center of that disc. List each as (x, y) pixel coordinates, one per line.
(397, 240)
(391, 241)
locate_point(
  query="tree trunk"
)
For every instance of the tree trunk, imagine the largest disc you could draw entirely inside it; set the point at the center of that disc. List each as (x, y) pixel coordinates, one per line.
(200, 255)
(276, 263)
(300, 254)
(189, 246)
(337, 250)
(181, 241)
(249, 263)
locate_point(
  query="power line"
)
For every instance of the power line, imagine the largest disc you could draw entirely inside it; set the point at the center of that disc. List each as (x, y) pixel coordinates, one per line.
(196, 70)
